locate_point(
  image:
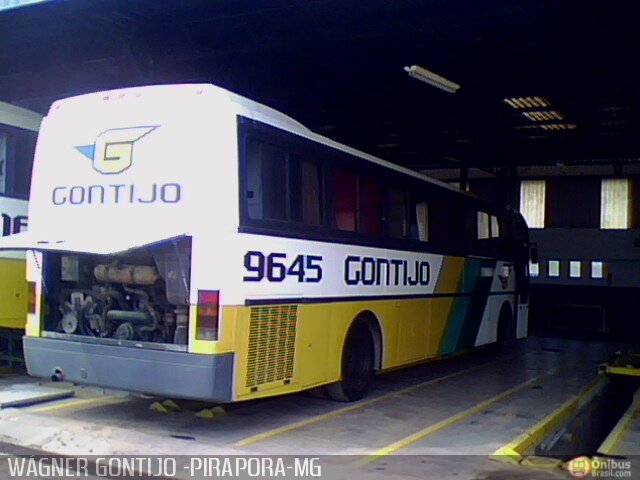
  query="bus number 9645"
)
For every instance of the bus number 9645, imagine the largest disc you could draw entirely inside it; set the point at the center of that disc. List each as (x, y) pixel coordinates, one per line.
(276, 267)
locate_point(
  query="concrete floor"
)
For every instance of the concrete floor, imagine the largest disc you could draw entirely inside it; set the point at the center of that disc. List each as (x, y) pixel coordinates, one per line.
(437, 420)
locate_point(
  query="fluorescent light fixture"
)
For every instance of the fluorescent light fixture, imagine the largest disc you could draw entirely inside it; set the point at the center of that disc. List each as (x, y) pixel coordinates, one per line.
(559, 126)
(541, 115)
(432, 79)
(8, 4)
(526, 102)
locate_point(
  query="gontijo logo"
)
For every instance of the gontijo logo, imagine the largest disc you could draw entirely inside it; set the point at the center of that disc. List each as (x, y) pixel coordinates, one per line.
(112, 152)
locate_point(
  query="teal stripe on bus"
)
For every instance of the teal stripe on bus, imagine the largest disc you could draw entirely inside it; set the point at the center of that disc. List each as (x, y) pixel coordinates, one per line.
(460, 306)
(476, 308)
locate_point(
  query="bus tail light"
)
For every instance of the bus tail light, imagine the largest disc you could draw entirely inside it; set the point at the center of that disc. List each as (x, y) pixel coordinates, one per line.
(31, 297)
(207, 315)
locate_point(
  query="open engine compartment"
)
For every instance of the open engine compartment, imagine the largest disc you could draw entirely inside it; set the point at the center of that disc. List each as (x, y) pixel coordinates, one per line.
(139, 296)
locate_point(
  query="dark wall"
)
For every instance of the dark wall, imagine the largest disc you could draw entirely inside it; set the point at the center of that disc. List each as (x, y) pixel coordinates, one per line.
(572, 203)
(504, 191)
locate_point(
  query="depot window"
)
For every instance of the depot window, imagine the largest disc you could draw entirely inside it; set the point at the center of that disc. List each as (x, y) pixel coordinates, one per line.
(597, 269)
(615, 204)
(532, 202)
(553, 268)
(575, 269)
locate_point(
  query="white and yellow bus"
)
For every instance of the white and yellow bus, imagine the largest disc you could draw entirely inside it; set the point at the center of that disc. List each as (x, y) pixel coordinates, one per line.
(18, 130)
(187, 242)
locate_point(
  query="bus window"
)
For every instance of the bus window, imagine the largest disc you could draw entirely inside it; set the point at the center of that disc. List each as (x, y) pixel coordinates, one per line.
(495, 227)
(16, 160)
(3, 163)
(344, 199)
(397, 218)
(306, 191)
(370, 206)
(274, 176)
(281, 185)
(438, 224)
(422, 216)
(266, 173)
(483, 226)
(24, 150)
(254, 180)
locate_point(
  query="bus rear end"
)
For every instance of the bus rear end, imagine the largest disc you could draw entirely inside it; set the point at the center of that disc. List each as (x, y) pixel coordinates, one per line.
(120, 181)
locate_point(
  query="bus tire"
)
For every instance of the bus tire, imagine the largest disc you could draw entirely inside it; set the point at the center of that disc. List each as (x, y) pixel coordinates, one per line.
(506, 327)
(357, 365)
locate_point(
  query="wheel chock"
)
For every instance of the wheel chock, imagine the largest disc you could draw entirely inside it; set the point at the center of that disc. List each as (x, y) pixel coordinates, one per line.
(211, 412)
(158, 407)
(171, 405)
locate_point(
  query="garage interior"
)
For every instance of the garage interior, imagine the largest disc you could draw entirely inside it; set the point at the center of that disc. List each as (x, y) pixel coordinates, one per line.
(544, 119)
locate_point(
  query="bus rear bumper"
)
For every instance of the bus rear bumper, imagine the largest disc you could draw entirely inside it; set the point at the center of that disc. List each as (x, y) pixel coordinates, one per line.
(155, 372)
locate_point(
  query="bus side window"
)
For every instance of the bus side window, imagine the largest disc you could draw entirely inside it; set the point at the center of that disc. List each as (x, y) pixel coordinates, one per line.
(370, 206)
(344, 199)
(495, 227)
(422, 217)
(16, 159)
(24, 150)
(439, 220)
(3, 163)
(482, 230)
(266, 175)
(397, 213)
(254, 179)
(306, 191)
(274, 178)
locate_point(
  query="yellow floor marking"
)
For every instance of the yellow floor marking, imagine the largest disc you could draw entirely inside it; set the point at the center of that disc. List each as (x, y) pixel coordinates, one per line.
(75, 403)
(350, 408)
(618, 370)
(613, 439)
(419, 435)
(514, 451)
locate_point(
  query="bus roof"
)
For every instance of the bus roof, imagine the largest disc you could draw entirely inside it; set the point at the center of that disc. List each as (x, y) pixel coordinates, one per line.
(256, 111)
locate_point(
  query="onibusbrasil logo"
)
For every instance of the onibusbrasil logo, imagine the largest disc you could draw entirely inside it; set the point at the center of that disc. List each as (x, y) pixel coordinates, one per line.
(112, 151)
(579, 467)
(597, 467)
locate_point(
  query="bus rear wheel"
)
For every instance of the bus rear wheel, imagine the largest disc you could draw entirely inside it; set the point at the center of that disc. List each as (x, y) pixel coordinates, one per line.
(357, 365)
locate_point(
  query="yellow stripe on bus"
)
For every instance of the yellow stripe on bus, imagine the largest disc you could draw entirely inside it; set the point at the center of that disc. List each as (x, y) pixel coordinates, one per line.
(13, 294)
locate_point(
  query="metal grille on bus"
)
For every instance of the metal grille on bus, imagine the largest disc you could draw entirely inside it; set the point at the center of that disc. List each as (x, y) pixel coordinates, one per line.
(272, 338)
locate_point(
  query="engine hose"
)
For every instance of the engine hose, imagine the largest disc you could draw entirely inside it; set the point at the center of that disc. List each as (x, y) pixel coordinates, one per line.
(156, 320)
(144, 301)
(122, 304)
